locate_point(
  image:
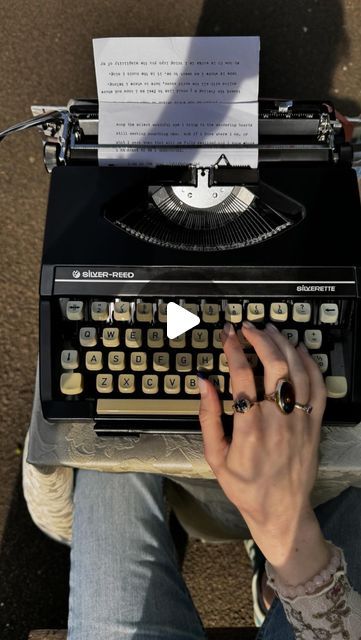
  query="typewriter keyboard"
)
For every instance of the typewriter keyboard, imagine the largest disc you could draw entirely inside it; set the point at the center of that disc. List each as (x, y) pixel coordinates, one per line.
(116, 352)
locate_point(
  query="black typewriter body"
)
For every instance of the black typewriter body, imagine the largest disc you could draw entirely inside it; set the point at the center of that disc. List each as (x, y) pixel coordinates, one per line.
(315, 263)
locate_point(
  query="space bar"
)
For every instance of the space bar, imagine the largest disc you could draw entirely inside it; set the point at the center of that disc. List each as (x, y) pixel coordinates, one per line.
(140, 407)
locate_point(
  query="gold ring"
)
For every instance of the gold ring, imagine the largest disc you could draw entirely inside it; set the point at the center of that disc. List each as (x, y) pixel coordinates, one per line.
(283, 396)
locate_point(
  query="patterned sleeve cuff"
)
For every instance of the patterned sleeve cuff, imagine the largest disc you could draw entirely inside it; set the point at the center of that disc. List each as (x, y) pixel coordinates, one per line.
(333, 611)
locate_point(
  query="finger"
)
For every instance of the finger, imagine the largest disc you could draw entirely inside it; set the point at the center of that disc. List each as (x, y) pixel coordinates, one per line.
(274, 362)
(296, 369)
(318, 391)
(210, 411)
(242, 377)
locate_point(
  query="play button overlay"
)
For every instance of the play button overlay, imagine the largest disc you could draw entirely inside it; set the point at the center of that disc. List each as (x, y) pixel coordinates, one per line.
(179, 320)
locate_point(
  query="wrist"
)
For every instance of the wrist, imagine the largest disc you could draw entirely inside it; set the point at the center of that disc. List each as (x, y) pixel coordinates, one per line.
(321, 580)
(302, 556)
(296, 553)
(275, 539)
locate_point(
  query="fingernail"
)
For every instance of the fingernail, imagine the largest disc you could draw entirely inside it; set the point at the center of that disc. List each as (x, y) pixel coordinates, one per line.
(248, 325)
(229, 329)
(271, 327)
(303, 347)
(202, 385)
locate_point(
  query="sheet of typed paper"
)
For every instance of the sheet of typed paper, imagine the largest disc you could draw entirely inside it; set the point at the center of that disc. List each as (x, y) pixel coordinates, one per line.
(177, 100)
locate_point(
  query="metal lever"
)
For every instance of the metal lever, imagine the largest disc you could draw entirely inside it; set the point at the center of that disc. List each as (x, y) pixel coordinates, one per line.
(33, 122)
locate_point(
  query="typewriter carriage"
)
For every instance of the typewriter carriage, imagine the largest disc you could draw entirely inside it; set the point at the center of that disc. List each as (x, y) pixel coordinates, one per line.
(211, 208)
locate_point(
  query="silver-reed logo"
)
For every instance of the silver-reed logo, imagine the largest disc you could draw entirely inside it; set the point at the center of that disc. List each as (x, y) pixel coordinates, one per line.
(76, 273)
(103, 275)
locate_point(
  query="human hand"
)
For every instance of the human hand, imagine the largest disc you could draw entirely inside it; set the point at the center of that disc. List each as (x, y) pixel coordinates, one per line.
(270, 466)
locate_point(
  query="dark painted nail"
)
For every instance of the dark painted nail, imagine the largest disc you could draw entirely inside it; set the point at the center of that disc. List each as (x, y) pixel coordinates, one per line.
(229, 329)
(248, 325)
(271, 327)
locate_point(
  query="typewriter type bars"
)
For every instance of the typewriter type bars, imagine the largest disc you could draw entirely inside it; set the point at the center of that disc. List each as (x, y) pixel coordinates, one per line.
(186, 218)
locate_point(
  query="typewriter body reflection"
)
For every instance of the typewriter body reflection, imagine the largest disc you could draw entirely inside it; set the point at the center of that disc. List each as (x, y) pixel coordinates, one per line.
(277, 243)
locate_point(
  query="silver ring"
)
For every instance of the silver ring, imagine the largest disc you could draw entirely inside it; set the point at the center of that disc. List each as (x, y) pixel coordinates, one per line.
(307, 408)
(242, 405)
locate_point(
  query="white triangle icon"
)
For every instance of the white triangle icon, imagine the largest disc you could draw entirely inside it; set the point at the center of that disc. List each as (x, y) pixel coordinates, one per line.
(179, 320)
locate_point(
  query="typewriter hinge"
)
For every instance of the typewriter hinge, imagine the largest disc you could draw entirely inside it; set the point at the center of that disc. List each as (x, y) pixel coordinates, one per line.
(55, 137)
(325, 132)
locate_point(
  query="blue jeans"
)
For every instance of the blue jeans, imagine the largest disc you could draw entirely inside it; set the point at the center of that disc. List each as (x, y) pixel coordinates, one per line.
(125, 581)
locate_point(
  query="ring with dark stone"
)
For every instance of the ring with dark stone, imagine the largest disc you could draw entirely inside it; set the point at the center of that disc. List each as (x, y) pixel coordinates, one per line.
(242, 405)
(283, 396)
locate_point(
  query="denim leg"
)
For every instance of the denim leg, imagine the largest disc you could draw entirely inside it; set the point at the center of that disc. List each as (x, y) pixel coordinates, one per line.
(124, 580)
(340, 520)
(204, 510)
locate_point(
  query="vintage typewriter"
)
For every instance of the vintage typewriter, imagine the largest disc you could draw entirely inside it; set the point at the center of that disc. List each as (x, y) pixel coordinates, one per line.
(276, 243)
